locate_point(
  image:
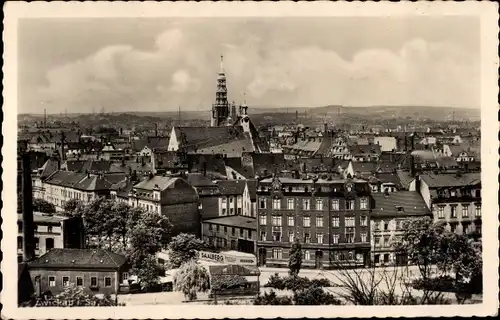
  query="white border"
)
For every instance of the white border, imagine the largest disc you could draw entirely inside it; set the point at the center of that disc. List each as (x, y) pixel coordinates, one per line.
(489, 105)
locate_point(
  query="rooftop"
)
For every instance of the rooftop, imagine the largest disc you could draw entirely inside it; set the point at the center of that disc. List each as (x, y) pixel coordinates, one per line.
(401, 203)
(451, 180)
(79, 258)
(234, 221)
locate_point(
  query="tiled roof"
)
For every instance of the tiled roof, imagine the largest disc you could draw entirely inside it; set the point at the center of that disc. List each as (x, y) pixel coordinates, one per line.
(131, 166)
(193, 138)
(451, 180)
(65, 178)
(160, 181)
(362, 149)
(234, 221)
(405, 178)
(168, 160)
(401, 203)
(231, 187)
(268, 163)
(364, 166)
(232, 148)
(82, 181)
(157, 142)
(199, 180)
(389, 178)
(84, 166)
(79, 258)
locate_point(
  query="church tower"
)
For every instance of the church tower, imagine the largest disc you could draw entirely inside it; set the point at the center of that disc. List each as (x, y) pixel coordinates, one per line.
(220, 109)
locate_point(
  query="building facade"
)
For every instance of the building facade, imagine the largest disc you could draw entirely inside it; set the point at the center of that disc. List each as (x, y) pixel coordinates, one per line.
(330, 218)
(231, 233)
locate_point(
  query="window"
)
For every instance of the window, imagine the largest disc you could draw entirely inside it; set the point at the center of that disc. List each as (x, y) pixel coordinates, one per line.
(363, 221)
(210, 227)
(52, 281)
(239, 211)
(262, 203)
(307, 255)
(363, 204)
(79, 281)
(231, 211)
(306, 204)
(263, 236)
(377, 240)
(290, 204)
(93, 281)
(125, 276)
(349, 205)
(335, 238)
(307, 238)
(233, 232)
(225, 230)
(217, 227)
(230, 199)
(249, 234)
(277, 253)
(387, 241)
(453, 211)
(363, 236)
(37, 243)
(224, 201)
(465, 211)
(262, 220)
(441, 212)
(386, 225)
(291, 221)
(335, 205)
(65, 281)
(478, 211)
(319, 237)
(291, 236)
(319, 204)
(277, 221)
(224, 211)
(107, 281)
(277, 235)
(335, 222)
(307, 221)
(276, 204)
(349, 221)
(319, 221)
(19, 227)
(20, 243)
(349, 235)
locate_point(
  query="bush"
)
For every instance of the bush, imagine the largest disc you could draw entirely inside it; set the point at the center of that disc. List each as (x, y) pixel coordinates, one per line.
(295, 282)
(272, 299)
(440, 284)
(40, 205)
(314, 295)
(222, 282)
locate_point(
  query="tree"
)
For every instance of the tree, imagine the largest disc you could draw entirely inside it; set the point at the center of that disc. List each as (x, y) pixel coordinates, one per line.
(272, 299)
(190, 279)
(147, 271)
(183, 248)
(40, 205)
(71, 208)
(295, 259)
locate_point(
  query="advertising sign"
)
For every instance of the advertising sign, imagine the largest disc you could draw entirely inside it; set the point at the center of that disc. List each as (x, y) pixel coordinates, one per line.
(226, 258)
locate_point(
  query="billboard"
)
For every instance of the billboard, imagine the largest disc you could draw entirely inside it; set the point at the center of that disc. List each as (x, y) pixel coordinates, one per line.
(227, 258)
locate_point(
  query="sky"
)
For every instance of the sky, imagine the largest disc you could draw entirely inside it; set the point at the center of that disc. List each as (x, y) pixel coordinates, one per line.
(153, 64)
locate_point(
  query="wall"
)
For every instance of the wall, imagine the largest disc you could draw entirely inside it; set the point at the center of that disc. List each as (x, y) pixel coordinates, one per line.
(72, 274)
(184, 217)
(425, 192)
(209, 207)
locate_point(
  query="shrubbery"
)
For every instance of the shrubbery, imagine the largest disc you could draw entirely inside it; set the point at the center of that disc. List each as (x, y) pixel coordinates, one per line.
(295, 282)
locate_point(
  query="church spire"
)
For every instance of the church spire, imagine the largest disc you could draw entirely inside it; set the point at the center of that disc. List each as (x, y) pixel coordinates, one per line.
(220, 108)
(221, 64)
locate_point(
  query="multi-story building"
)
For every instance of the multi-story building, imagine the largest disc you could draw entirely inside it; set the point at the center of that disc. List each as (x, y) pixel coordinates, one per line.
(329, 217)
(51, 232)
(455, 199)
(62, 186)
(231, 197)
(172, 197)
(231, 233)
(390, 210)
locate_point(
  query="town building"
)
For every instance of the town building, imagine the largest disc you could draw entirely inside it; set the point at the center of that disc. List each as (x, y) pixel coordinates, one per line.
(62, 186)
(172, 197)
(390, 210)
(51, 231)
(330, 217)
(96, 271)
(455, 199)
(231, 233)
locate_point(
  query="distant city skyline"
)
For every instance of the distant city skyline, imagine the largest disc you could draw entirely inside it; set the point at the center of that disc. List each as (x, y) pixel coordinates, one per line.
(151, 64)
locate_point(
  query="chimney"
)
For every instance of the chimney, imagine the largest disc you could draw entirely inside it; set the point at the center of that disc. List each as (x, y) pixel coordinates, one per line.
(28, 223)
(413, 141)
(412, 166)
(63, 154)
(325, 128)
(156, 129)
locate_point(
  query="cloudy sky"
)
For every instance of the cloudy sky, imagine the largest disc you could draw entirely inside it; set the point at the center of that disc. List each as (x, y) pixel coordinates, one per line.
(153, 64)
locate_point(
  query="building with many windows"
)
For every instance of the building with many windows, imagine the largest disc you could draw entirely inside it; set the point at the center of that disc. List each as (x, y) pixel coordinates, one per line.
(454, 198)
(231, 233)
(329, 217)
(390, 210)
